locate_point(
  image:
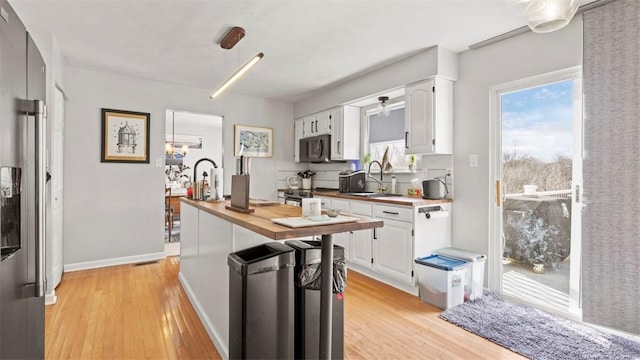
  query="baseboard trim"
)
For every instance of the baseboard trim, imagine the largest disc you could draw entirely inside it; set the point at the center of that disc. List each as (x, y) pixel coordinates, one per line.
(50, 299)
(113, 262)
(221, 347)
(413, 290)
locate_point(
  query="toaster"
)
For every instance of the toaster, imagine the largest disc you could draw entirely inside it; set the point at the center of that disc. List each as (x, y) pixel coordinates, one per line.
(350, 181)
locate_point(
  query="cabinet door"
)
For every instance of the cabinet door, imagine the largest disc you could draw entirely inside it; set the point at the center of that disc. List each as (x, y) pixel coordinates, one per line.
(337, 134)
(342, 239)
(360, 248)
(298, 132)
(429, 117)
(323, 123)
(418, 123)
(309, 126)
(393, 251)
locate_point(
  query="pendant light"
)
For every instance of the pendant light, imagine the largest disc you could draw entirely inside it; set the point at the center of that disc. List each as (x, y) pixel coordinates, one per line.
(237, 75)
(545, 16)
(383, 108)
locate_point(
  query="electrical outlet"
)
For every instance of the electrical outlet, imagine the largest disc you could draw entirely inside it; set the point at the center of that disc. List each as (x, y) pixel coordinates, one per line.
(159, 162)
(425, 173)
(449, 171)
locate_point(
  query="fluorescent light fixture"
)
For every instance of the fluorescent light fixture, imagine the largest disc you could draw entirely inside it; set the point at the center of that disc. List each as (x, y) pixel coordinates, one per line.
(237, 75)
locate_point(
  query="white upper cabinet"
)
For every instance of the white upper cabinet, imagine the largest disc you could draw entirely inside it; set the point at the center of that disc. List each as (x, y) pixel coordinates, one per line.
(316, 124)
(429, 117)
(323, 123)
(342, 123)
(345, 133)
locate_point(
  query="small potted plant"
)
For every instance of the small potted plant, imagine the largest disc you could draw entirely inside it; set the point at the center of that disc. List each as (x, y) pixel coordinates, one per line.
(367, 160)
(412, 163)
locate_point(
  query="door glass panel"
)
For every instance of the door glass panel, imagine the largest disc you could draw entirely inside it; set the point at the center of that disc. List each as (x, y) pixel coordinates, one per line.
(537, 167)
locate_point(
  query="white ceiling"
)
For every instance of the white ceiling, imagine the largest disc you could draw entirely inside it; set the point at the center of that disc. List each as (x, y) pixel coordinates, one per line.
(309, 45)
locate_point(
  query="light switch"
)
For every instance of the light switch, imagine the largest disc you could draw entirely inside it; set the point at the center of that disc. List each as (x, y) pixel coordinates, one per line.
(159, 162)
(473, 160)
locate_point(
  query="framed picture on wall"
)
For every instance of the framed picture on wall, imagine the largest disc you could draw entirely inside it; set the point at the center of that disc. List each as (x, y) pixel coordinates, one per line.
(253, 141)
(125, 136)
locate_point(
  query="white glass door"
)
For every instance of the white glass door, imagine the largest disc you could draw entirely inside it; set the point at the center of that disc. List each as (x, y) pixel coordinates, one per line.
(537, 140)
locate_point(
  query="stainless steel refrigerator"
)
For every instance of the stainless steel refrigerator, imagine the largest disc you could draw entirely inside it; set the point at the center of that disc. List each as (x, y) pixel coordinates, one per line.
(22, 94)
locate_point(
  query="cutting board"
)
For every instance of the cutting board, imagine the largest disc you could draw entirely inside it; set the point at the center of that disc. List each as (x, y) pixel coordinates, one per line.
(297, 222)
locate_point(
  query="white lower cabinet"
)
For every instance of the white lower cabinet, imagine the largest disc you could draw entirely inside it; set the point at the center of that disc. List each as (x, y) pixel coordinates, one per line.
(393, 250)
(388, 253)
(342, 239)
(360, 247)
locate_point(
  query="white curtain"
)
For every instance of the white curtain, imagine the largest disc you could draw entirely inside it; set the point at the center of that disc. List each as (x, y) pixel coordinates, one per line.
(611, 218)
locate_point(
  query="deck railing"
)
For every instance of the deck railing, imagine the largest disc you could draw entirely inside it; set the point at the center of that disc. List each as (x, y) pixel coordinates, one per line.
(562, 194)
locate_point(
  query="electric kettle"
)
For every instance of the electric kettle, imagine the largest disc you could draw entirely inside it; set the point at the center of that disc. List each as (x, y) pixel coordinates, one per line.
(293, 182)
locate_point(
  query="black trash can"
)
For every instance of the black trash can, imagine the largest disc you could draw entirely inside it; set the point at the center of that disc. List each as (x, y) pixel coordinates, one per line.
(307, 299)
(261, 313)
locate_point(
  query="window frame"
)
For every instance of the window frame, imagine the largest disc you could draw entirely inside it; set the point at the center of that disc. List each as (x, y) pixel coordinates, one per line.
(366, 111)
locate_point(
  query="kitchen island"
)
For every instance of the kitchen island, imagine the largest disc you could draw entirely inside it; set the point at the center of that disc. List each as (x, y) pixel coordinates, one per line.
(210, 233)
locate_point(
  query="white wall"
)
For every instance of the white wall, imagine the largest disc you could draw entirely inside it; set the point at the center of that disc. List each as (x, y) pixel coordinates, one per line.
(115, 210)
(519, 57)
(430, 62)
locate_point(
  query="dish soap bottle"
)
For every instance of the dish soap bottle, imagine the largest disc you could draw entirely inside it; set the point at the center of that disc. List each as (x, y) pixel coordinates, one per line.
(393, 184)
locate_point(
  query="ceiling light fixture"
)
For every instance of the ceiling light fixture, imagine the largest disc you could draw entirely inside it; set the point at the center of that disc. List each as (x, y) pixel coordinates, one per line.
(383, 109)
(237, 75)
(545, 16)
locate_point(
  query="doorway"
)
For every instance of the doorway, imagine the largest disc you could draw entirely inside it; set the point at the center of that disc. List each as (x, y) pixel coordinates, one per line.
(188, 138)
(537, 168)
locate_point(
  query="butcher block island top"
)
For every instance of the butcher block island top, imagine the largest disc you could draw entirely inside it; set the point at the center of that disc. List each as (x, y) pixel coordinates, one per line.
(260, 221)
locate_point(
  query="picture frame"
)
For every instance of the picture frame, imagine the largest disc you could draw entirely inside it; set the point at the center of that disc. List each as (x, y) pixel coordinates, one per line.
(253, 141)
(125, 136)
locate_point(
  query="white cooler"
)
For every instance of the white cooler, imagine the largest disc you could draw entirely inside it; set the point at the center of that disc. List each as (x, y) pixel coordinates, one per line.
(440, 281)
(474, 271)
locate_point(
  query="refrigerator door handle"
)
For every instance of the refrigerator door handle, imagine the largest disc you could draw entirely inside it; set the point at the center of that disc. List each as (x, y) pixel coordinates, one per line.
(37, 110)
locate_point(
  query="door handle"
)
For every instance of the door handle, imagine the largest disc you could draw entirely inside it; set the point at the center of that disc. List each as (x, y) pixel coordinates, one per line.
(316, 125)
(37, 110)
(338, 147)
(406, 139)
(390, 212)
(498, 193)
(577, 193)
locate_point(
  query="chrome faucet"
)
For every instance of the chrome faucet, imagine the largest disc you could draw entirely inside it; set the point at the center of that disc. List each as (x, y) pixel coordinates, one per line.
(196, 166)
(381, 188)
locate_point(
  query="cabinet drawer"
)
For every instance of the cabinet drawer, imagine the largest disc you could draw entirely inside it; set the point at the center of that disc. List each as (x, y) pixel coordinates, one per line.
(325, 203)
(361, 208)
(393, 212)
(342, 205)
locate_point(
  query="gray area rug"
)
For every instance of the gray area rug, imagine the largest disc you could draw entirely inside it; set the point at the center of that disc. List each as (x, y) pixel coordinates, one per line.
(536, 334)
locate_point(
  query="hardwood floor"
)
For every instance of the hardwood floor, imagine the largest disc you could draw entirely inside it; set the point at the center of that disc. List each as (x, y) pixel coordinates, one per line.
(138, 312)
(125, 312)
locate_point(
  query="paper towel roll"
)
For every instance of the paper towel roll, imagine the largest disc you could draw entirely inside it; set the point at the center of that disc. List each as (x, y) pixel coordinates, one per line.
(217, 176)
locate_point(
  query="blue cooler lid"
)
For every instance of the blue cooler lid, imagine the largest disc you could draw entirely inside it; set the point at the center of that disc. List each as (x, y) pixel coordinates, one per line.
(441, 262)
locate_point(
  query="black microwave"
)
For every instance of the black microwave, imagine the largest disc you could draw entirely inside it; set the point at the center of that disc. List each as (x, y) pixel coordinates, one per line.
(315, 149)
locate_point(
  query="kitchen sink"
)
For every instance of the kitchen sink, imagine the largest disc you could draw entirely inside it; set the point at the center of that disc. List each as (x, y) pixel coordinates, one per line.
(371, 194)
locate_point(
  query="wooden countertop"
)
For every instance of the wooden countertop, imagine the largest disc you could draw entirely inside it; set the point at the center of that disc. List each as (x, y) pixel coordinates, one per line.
(393, 200)
(260, 222)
